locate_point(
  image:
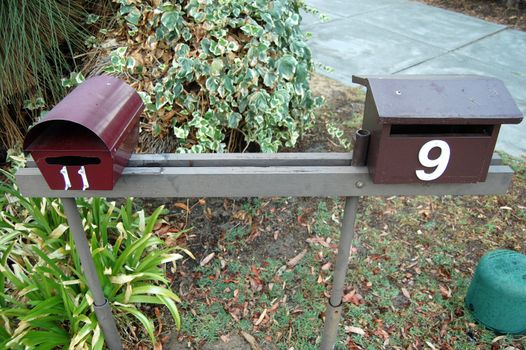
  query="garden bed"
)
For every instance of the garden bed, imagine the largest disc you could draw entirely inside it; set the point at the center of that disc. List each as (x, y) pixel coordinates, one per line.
(492, 11)
(263, 266)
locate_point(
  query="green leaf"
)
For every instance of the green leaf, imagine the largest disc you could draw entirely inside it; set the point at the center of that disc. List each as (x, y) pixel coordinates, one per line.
(253, 30)
(181, 132)
(156, 290)
(286, 66)
(171, 19)
(133, 16)
(148, 325)
(152, 220)
(234, 119)
(170, 304)
(216, 67)
(212, 84)
(269, 79)
(127, 253)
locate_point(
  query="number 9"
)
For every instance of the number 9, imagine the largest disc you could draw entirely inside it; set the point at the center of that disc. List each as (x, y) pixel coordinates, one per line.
(440, 163)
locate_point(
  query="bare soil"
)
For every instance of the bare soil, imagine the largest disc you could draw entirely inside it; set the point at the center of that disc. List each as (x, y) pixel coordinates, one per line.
(495, 11)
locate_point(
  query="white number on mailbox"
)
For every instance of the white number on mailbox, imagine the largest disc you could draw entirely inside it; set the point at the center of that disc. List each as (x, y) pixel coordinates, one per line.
(82, 173)
(440, 163)
(64, 172)
(67, 182)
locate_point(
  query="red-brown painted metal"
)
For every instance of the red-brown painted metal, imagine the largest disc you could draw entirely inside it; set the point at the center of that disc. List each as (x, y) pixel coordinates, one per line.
(403, 113)
(94, 128)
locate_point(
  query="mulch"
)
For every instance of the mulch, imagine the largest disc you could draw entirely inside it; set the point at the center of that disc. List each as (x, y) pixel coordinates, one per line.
(495, 11)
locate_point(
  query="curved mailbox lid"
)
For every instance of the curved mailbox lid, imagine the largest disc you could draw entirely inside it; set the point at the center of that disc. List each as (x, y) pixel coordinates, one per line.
(105, 105)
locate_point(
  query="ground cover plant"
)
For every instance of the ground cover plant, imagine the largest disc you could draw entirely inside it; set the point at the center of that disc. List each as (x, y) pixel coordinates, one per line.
(44, 299)
(411, 265)
(215, 76)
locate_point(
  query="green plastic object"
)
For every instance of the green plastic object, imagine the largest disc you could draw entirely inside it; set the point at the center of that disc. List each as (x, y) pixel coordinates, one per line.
(497, 294)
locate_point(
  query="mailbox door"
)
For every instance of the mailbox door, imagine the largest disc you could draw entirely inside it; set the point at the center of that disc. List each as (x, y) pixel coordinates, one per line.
(76, 170)
(450, 158)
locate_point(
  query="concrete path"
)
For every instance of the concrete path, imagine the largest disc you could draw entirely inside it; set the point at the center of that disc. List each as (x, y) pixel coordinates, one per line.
(407, 37)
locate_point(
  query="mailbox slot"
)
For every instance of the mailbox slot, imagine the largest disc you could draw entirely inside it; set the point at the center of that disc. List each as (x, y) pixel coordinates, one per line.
(434, 128)
(72, 160)
(87, 139)
(402, 130)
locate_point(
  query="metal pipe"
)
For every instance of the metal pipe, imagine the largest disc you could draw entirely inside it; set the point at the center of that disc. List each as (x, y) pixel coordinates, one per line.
(334, 306)
(101, 305)
(361, 146)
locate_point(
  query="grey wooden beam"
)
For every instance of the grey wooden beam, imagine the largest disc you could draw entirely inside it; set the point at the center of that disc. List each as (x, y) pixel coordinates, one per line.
(293, 181)
(242, 159)
(234, 159)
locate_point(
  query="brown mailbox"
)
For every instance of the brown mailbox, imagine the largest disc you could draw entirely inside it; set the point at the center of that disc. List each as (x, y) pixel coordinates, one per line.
(434, 128)
(85, 141)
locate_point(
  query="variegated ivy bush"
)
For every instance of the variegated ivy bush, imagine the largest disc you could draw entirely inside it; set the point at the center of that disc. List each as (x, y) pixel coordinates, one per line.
(212, 73)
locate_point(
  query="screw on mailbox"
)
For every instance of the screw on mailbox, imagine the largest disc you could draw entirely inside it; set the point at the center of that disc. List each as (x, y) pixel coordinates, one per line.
(433, 138)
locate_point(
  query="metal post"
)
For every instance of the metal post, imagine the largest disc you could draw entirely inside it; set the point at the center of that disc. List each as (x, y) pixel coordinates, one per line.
(101, 305)
(334, 306)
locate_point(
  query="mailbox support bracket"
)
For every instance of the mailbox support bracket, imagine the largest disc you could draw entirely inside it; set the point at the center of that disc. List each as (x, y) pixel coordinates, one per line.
(247, 175)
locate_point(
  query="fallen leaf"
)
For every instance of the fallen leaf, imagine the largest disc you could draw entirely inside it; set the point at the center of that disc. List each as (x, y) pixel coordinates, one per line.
(496, 339)
(355, 330)
(158, 346)
(207, 259)
(431, 345)
(295, 260)
(347, 297)
(182, 206)
(165, 339)
(353, 297)
(446, 293)
(255, 284)
(318, 240)
(274, 307)
(251, 340)
(443, 329)
(225, 338)
(159, 320)
(381, 333)
(326, 266)
(406, 294)
(357, 299)
(261, 317)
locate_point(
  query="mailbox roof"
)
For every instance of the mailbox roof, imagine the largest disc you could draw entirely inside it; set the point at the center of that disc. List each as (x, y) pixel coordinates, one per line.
(440, 99)
(104, 105)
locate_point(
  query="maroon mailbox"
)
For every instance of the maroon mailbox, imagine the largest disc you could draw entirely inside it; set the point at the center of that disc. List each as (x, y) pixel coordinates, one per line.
(86, 140)
(438, 129)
